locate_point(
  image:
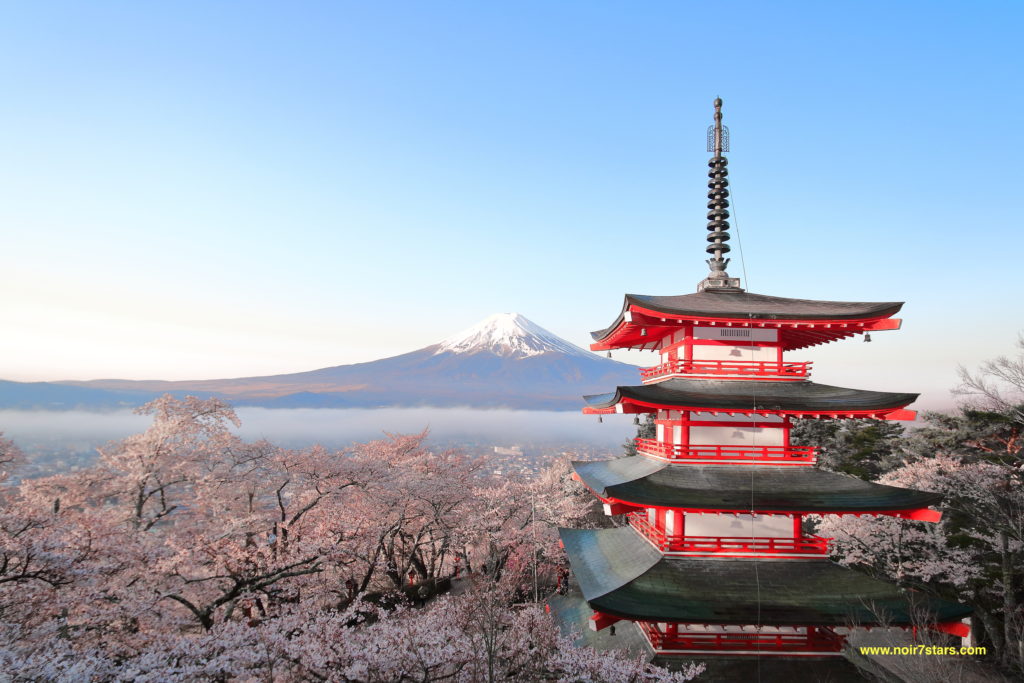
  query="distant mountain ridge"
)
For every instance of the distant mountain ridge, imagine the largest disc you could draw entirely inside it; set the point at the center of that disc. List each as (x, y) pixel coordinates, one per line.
(505, 361)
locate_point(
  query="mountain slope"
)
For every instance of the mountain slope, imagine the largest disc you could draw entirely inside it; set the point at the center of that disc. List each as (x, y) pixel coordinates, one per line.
(504, 361)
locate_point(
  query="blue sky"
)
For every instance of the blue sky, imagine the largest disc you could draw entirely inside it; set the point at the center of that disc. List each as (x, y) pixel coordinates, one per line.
(192, 190)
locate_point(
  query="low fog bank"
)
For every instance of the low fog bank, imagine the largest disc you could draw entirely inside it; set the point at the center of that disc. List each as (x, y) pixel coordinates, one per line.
(74, 435)
(340, 427)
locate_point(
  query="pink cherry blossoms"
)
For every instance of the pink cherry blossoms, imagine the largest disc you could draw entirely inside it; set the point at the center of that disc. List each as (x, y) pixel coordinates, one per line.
(186, 553)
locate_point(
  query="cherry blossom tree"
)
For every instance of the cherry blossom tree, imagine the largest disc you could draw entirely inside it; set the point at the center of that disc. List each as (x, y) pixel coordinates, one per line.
(362, 643)
(11, 457)
(408, 515)
(38, 557)
(998, 385)
(187, 553)
(975, 553)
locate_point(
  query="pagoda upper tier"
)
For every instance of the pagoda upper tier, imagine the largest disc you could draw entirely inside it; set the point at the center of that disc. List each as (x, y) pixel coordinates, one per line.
(623, 575)
(750, 397)
(645, 321)
(639, 482)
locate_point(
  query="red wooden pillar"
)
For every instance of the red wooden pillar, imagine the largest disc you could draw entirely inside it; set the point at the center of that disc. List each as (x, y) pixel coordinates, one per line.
(798, 530)
(673, 540)
(688, 344)
(684, 430)
(671, 633)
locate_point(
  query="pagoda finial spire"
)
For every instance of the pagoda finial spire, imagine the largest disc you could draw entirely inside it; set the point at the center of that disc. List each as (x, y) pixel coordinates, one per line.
(718, 204)
(717, 142)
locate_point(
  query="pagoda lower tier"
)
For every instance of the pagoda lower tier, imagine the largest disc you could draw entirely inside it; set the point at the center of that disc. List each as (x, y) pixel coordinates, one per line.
(751, 397)
(738, 606)
(641, 482)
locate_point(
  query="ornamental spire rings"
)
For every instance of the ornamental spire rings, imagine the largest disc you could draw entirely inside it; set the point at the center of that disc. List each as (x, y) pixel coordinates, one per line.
(718, 204)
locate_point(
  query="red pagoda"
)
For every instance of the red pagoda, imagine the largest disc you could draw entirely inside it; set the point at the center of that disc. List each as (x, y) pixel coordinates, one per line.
(715, 559)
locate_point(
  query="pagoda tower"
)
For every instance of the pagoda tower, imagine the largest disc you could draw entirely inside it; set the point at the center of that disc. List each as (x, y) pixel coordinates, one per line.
(715, 559)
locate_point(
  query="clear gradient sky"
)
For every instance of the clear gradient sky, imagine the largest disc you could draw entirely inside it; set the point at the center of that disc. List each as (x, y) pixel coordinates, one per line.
(221, 189)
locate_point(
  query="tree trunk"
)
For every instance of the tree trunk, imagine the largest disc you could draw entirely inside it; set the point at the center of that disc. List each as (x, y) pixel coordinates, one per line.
(1012, 647)
(417, 563)
(995, 633)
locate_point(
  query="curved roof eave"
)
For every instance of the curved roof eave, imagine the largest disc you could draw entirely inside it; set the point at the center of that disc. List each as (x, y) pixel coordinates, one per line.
(735, 591)
(752, 395)
(746, 305)
(643, 482)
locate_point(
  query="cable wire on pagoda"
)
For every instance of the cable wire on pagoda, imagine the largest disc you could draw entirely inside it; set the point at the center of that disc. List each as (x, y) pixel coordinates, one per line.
(718, 141)
(753, 398)
(739, 243)
(757, 575)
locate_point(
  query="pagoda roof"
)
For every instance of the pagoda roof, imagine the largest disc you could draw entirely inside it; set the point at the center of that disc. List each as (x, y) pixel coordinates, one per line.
(751, 396)
(644, 482)
(621, 574)
(804, 322)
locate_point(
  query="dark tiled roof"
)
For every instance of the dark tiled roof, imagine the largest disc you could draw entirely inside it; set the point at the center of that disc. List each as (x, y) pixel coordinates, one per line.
(643, 481)
(571, 613)
(742, 395)
(711, 591)
(613, 559)
(719, 669)
(734, 305)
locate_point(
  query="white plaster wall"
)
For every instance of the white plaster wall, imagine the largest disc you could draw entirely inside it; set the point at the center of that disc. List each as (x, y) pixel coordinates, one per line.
(716, 352)
(773, 526)
(722, 417)
(738, 436)
(736, 628)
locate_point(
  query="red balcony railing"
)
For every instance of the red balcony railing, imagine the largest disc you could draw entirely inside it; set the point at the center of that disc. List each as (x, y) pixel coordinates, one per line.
(764, 454)
(816, 639)
(752, 368)
(713, 545)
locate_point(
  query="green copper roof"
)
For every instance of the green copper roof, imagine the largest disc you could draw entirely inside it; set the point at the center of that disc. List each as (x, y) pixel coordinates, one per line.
(616, 576)
(613, 559)
(646, 482)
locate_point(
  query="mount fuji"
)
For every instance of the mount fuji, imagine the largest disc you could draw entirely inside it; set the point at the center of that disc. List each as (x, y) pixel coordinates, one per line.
(505, 361)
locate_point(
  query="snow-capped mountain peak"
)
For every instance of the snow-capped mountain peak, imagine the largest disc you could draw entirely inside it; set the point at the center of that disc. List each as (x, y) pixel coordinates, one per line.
(508, 334)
